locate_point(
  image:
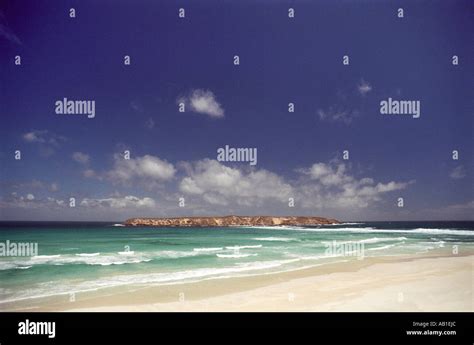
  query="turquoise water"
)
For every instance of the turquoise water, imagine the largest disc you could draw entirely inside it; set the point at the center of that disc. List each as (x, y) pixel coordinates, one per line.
(80, 257)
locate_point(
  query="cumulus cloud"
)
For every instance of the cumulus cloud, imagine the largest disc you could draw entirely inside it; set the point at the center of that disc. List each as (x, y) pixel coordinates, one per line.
(207, 184)
(128, 201)
(148, 168)
(331, 186)
(216, 183)
(322, 185)
(81, 158)
(203, 102)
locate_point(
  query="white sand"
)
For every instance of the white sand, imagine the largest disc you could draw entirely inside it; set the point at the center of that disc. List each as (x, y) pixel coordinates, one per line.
(420, 284)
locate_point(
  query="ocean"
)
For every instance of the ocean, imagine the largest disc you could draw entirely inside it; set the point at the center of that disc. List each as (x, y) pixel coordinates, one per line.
(78, 258)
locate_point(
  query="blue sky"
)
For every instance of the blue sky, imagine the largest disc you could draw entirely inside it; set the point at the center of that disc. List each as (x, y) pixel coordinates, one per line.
(190, 60)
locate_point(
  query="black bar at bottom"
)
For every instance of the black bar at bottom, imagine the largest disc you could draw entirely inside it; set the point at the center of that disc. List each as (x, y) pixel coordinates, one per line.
(242, 328)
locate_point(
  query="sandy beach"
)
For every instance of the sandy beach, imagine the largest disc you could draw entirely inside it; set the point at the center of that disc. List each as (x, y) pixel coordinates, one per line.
(428, 283)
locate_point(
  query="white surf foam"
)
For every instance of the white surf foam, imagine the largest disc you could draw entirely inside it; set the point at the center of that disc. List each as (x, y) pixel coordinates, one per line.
(54, 288)
(45, 257)
(388, 231)
(313, 257)
(382, 239)
(342, 224)
(244, 247)
(367, 240)
(82, 258)
(436, 243)
(276, 239)
(233, 256)
(383, 247)
(174, 254)
(444, 231)
(102, 259)
(216, 249)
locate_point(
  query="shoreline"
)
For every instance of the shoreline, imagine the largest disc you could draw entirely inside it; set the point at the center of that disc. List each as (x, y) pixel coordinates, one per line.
(374, 287)
(428, 282)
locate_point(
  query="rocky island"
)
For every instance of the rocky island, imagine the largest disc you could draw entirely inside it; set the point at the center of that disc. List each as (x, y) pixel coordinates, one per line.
(229, 221)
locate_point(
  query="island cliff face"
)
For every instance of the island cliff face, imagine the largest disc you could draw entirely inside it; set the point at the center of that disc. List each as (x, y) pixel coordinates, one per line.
(229, 221)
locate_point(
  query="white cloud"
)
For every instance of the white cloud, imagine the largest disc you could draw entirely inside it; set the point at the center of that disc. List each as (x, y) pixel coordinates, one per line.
(42, 137)
(81, 158)
(458, 173)
(128, 201)
(211, 187)
(331, 186)
(203, 102)
(337, 114)
(125, 203)
(29, 201)
(216, 183)
(46, 141)
(54, 201)
(347, 106)
(364, 87)
(34, 137)
(148, 168)
(327, 175)
(322, 185)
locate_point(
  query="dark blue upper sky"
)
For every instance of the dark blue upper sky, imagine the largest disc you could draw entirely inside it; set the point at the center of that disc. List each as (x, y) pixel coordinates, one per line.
(282, 60)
